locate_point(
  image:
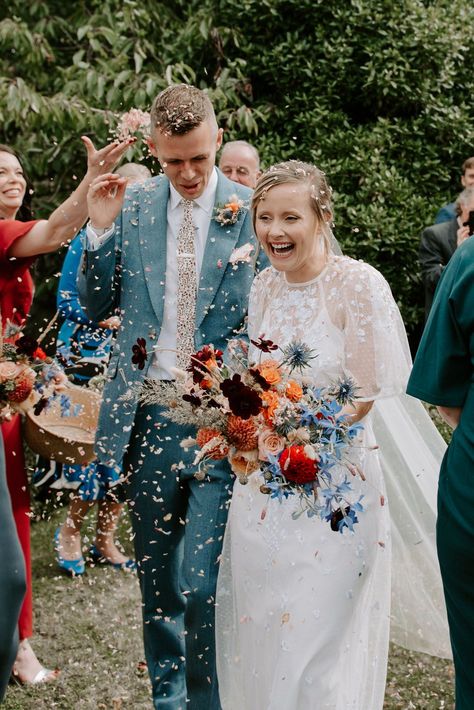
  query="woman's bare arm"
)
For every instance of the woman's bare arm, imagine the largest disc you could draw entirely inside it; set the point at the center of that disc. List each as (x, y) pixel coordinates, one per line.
(451, 415)
(65, 222)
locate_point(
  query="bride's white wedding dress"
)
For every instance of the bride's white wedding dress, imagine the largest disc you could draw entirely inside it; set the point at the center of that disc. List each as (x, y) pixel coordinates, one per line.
(303, 613)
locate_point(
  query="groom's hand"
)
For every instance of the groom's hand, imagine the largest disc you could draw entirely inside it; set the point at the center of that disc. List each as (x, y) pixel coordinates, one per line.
(104, 199)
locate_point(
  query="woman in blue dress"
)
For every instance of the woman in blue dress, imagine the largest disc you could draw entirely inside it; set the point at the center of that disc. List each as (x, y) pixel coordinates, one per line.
(84, 346)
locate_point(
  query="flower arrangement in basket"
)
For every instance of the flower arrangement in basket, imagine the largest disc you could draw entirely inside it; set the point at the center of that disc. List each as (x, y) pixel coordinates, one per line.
(262, 418)
(60, 418)
(28, 378)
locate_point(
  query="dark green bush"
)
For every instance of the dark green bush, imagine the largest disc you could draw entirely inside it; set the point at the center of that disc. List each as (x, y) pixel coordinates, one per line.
(377, 93)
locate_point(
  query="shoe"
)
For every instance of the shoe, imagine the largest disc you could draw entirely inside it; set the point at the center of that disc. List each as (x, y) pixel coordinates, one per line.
(99, 558)
(45, 675)
(27, 663)
(73, 568)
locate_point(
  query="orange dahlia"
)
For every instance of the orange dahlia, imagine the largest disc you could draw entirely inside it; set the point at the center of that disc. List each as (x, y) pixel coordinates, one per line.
(219, 448)
(23, 386)
(242, 433)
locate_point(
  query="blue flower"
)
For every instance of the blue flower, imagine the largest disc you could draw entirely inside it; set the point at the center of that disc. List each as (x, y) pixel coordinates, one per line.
(297, 355)
(345, 391)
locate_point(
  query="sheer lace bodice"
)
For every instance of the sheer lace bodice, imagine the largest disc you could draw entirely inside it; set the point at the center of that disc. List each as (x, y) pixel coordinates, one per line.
(346, 314)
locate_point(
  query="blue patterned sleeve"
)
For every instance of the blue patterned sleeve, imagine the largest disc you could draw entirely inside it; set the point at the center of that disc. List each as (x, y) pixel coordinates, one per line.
(68, 303)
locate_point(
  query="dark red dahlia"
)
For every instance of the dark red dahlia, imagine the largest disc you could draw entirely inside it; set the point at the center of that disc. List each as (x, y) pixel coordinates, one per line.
(296, 466)
(244, 402)
(41, 404)
(337, 516)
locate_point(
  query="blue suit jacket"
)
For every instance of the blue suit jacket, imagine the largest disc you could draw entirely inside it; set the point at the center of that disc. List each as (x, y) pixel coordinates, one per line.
(140, 243)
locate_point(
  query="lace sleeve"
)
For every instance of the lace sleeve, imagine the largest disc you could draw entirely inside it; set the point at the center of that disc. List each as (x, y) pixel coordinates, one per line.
(376, 350)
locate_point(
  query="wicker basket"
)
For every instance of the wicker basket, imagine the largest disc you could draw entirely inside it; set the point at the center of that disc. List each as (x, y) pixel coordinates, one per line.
(68, 440)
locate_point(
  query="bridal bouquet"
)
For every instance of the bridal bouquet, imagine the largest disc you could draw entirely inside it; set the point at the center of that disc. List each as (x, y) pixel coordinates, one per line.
(261, 418)
(28, 378)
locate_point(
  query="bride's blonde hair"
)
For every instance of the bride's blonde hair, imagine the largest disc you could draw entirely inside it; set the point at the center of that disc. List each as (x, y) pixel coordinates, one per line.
(296, 171)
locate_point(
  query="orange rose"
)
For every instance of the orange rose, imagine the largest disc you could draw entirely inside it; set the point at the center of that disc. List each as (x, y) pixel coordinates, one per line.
(293, 391)
(272, 400)
(270, 371)
(210, 364)
(234, 206)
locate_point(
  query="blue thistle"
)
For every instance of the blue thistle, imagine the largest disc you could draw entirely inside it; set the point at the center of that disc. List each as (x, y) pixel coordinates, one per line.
(297, 355)
(344, 391)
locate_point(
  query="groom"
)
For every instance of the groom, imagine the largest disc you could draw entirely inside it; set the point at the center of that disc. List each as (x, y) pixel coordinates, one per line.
(173, 268)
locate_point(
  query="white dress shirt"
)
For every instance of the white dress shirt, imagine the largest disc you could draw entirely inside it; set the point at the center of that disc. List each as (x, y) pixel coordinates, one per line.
(164, 356)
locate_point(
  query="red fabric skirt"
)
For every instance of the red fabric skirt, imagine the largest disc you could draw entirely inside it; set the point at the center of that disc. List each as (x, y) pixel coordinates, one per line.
(19, 493)
(16, 294)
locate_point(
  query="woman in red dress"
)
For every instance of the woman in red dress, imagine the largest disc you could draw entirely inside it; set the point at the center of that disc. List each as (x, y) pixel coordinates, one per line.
(20, 243)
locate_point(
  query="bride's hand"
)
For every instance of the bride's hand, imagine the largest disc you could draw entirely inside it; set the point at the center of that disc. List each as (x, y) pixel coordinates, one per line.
(357, 411)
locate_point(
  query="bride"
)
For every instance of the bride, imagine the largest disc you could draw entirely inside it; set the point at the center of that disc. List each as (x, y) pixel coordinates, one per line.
(303, 613)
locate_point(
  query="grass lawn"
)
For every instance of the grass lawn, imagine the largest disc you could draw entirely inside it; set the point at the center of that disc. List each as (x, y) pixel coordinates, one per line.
(90, 627)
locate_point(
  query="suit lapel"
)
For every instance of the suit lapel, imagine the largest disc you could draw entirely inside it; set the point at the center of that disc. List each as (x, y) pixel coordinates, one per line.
(220, 243)
(153, 224)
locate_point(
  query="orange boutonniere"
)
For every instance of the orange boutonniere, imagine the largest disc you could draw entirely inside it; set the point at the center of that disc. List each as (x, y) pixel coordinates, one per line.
(229, 212)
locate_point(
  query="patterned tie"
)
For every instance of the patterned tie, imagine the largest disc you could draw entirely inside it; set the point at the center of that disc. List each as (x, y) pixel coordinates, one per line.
(186, 314)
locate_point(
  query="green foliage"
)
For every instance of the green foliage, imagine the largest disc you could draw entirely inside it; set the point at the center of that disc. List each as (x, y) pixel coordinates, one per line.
(377, 93)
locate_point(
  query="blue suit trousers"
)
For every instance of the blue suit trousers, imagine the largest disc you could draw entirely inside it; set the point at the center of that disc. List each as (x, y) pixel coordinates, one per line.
(178, 525)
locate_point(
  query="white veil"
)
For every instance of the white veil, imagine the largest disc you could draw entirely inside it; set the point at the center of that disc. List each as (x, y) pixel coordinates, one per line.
(411, 450)
(333, 243)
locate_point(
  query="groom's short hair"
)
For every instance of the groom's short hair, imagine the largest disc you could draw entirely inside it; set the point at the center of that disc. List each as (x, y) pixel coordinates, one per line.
(180, 108)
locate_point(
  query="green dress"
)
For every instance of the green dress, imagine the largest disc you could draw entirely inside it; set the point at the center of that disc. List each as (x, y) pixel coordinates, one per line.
(443, 374)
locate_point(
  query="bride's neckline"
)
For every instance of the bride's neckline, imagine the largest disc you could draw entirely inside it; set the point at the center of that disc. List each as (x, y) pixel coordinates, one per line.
(300, 284)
